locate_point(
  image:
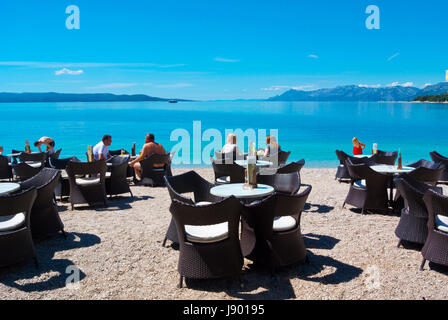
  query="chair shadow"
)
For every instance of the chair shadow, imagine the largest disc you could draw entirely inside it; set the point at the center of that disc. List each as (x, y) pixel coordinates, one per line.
(318, 208)
(61, 271)
(406, 245)
(279, 286)
(317, 241)
(390, 213)
(438, 268)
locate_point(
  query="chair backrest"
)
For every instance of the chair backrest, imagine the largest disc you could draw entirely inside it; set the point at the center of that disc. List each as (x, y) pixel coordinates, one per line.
(436, 205)
(430, 174)
(292, 167)
(374, 180)
(83, 168)
(234, 171)
(119, 167)
(117, 152)
(155, 159)
(412, 192)
(38, 157)
(189, 182)
(61, 164)
(382, 157)
(54, 155)
(437, 157)
(45, 183)
(227, 210)
(288, 183)
(342, 156)
(5, 168)
(25, 171)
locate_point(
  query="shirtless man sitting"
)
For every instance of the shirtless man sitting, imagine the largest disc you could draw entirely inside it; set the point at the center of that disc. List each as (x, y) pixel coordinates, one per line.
(148, 149)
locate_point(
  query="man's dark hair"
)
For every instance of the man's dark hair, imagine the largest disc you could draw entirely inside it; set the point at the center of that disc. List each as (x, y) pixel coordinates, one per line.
(106, 137)
(150, 137)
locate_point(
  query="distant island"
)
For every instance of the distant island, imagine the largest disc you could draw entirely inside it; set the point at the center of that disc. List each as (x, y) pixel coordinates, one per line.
(77, 97)
(363, 93)
(434, 98)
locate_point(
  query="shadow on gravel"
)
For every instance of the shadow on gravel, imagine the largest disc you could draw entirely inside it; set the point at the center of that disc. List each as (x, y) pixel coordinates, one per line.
(54, 272)
(317, 241)
(258, 283)
(318, 208)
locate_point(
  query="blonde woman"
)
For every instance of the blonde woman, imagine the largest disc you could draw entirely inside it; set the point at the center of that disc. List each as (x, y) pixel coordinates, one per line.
(272, 147)
(230, 146)
(357, 146)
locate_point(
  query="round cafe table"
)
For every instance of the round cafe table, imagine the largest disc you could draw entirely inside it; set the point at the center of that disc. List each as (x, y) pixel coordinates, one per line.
(259, 163)
(8, 187)
(391, 171)
(239, 191)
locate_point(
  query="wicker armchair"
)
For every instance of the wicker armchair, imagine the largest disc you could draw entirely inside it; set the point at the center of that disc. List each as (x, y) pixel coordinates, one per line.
(436, 244)
(118, 182)
(63, 187)
(342, 172)
(91, 188)
(270, 232)
(24, 171)
(208, 239)
(370, 195)
(189, 182)
(45, 219)
(227, 173)
(288, 183)
(153, 176)
(16, 242)
(279, 158)
(437, 157)
(382, 157)
(117, 152)
(413, 225)
(292, 167)
(5, 168)
(33, 157)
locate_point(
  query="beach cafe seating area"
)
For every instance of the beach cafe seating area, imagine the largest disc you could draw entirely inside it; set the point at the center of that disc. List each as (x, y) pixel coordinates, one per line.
(217, 224)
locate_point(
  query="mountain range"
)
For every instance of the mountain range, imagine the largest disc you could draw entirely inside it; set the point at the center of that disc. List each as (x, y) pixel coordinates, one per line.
(75, 97)
(362, 93)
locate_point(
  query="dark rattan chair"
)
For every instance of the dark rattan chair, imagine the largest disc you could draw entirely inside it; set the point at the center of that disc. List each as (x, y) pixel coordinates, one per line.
(24, 171)
(278, 159)
(436, 244)
(413, 225)
(118, 183)
(33, 157)
(45, 219)
(153, 176)
(208, 239)
(292, 167)
(63, 187)
(91, 188)
(270, 232)
(370, 195)
(117, 152)
(382, 157)
(437, 157)
(189, 182)
(342, 172)
(5, 168)
(227, 173)
(288, 183)
(16, 242)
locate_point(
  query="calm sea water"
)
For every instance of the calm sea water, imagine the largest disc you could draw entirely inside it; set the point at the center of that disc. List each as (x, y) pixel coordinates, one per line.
(310, 130)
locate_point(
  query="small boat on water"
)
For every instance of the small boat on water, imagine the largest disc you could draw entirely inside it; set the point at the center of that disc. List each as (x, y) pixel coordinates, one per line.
(172, 101)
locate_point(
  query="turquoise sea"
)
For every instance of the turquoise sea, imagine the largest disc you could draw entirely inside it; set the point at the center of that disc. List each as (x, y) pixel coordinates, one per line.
(310, 130)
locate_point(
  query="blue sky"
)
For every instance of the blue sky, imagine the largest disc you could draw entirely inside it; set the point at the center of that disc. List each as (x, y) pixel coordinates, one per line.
(219, 49)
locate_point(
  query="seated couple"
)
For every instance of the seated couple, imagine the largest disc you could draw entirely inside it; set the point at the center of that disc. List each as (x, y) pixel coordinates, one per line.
(272, 147)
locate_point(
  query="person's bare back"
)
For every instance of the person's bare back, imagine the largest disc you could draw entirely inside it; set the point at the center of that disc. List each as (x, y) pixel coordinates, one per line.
(153, 148)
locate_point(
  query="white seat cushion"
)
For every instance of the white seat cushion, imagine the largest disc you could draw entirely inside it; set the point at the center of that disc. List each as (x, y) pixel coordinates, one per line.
(442, 223)
(8, 223)
(223, 179)
(361, 184)
(284, 223)
(108, 174)
(202, 203)
(207, 234)
(87, 181)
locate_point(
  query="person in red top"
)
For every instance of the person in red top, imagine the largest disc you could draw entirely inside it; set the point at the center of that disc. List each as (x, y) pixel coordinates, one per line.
(357, 146)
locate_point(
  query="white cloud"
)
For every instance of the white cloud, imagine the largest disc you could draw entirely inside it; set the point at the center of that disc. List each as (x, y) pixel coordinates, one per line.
(113, 86)
(393, 56)
(277, 88)
(427, 85)
(313, 56)
(218, 59)
(69, 72)
(397, 84)
(369, 85)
